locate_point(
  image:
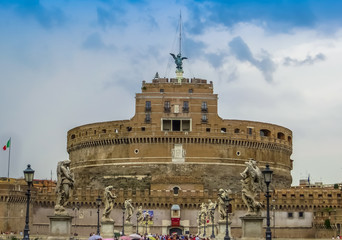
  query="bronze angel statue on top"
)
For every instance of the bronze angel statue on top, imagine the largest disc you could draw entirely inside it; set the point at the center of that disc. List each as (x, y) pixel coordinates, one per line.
(178, 61)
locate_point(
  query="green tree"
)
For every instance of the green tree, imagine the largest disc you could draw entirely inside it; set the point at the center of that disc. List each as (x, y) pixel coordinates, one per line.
(327, 224)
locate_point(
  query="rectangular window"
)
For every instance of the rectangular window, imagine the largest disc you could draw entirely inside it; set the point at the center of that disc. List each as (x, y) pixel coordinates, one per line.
(301, 214)
(176, 125)
(186, 125)
(185, 106)
(148, 106)
(290, 214)
(250, 131)
(204, 118)
(204, 107)
(148, 118)
(167, 107)
(166, 125)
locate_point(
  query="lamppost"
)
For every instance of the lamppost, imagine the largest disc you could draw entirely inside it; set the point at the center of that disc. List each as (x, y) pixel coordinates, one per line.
(137, 222)
(28, 174)
(75, 209)
(98, 202)
(268, 179)
(273, 208)
(123, 220)
(226, 203)
(146, 222)
(204, 224)
(212, 212)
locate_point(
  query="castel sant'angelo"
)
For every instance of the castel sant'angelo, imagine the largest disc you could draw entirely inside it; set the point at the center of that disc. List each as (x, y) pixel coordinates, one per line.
(172, 156)
(176, 139)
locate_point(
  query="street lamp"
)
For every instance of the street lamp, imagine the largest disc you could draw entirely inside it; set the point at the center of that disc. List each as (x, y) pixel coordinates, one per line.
(98, 202)
(226, 203)
(205, 224)
(28, 174)
(137, 225)
(123, 220)
(212, 212)
(268, 179)
(75, 209)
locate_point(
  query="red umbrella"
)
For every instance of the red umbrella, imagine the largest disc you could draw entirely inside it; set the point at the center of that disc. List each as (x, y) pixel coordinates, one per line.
(125, 238)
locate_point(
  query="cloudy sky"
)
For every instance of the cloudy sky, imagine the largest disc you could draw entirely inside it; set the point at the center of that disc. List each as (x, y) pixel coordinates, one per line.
(67, 63)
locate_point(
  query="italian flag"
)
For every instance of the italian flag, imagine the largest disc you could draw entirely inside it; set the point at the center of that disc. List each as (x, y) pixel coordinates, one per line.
(7, 145)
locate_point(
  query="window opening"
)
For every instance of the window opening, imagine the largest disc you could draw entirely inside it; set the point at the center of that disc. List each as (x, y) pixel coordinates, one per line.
(185, 106)
(176, 125)
(236, 130)
(148, 118)
(143, 129)
(167, 107)
(281, 135)
(186, 125)
(265, 133)
(207, 129)
(223, 130)
(204, 107)
(204, 118)
(148, 106)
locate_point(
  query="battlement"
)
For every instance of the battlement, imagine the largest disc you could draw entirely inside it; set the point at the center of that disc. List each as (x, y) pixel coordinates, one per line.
(282, 199)
(175, 80)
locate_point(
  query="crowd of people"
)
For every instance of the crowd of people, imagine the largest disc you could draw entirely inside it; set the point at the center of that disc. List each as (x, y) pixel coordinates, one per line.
(152, 237)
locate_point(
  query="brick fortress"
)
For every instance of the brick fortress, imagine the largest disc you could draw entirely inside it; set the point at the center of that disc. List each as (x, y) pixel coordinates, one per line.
(176, 140)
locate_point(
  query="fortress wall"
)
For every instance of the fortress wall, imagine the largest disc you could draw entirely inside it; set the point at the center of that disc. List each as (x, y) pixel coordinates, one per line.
(117, 130)
(152, 156)
(312, 201)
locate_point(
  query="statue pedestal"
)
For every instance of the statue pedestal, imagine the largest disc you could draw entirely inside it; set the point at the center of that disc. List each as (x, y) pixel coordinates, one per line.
(128, 229)
(144, 229)
(252, 227)
(107, 229)
(222, 229)
(60, 227)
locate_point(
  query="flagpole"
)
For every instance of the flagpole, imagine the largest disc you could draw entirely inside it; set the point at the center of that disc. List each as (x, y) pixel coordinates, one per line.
(9, 159)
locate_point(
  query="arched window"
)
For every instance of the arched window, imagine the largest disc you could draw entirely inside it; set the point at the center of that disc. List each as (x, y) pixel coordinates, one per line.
(289, 139)
(281, 135)
(73, 136)
(265, 133)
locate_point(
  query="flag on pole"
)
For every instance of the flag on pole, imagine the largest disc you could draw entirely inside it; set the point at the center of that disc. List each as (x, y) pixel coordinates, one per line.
(7, 145)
